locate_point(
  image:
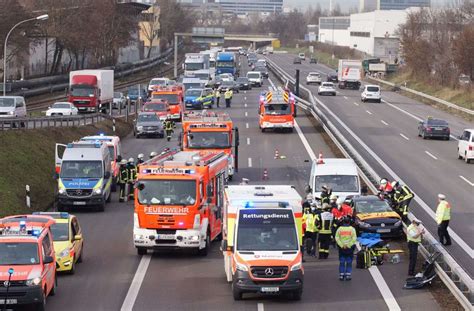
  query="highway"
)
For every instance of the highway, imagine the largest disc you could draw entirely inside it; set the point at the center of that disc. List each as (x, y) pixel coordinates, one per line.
(114, 277)
(428, 167)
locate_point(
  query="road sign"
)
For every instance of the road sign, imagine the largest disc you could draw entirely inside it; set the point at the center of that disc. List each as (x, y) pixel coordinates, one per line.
(269, 97)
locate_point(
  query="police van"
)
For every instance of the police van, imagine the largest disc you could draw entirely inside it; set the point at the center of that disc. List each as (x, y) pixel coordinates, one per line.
(84, 174)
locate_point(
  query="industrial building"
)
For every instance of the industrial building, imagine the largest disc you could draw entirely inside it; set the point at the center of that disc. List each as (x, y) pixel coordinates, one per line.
(372, 5)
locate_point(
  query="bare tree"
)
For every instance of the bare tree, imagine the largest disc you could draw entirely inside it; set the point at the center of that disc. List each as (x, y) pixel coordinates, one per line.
(464, 50)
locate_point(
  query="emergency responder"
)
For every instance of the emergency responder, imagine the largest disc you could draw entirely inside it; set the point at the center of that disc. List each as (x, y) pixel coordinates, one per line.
(402, 197)
(169, 129)
(228, 97)
(311, 232)
(325, 194)
(132, 176)
(339, 212)
(443, 215)
(414, 235)
(140, 159)
(324, 225)
(217, 95)
(307, 203)
(346, 238)
(153, 154)
(385, 190)
(123, 180)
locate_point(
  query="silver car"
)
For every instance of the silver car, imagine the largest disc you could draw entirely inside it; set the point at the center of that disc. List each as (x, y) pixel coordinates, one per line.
(313, 77)
(148, 124)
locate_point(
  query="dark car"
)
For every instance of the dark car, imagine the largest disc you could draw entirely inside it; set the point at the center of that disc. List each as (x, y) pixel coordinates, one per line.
(263, 70)
(313, 60)
(434, 128)
(229, 85)
(297, 60)
(243, 83)
(148, 124)
(373, 215)
(332, 77)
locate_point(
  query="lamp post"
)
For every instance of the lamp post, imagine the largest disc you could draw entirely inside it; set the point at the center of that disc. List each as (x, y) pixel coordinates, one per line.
(40, 18)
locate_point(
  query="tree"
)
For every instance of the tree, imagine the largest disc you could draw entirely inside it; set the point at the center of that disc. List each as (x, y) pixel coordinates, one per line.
(463, 51)
(173, 18)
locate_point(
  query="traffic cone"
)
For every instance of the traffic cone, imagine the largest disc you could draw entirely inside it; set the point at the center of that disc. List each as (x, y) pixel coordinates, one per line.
(277, 154)
(265, 174)
(320, 159)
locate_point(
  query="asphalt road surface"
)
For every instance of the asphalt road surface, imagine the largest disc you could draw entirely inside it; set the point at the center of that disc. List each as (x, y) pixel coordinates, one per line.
(114, 277)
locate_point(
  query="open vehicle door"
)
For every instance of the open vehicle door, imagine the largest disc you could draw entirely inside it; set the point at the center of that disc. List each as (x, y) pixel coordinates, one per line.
(59, 152)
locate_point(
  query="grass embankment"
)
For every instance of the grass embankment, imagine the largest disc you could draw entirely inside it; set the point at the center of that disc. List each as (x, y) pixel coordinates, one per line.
(27, 158)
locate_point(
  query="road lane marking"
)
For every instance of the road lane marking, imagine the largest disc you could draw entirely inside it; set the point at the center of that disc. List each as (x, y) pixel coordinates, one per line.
(345, 97)
(260, 307)
(357, 104)
(246, 125)
(248, 140)
(250, 162)
(404, 136)
(431, 155)
(245, 97)
(374, 271)
(467, 180)
(245, 105)
(246, 114)
(136, 284)
(383, 122)
(368, 112)
(273, 84)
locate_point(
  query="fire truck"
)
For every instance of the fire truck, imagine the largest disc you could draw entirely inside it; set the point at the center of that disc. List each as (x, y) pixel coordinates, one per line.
(213, 131)
(277, 110)
(175, 97)
(178, 201)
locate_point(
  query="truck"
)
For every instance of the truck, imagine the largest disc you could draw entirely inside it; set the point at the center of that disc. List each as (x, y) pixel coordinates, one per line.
(91, 90)
(178, 201)
(195, 61)
(349, 74)
(175, 97)
(227, 63)
(212, 61)
(261, 240)
(277, 110)
(212, 131)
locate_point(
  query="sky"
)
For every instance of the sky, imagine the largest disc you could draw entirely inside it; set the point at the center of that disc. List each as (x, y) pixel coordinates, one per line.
(344, 4)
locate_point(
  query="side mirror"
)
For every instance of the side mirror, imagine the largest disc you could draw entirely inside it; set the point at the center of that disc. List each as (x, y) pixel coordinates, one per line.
(78, 237)
(307, 189)
(140, 186)
(48, 259)
(107, 175)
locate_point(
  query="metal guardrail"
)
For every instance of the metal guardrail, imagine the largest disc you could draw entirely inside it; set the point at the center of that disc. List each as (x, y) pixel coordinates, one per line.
(421, 94)
(449, 271)
(42, 122)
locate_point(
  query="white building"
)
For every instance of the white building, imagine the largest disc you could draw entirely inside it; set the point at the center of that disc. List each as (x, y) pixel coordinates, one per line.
(334, 30)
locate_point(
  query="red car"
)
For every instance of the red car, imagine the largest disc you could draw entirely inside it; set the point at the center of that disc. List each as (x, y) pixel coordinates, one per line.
(159, 106)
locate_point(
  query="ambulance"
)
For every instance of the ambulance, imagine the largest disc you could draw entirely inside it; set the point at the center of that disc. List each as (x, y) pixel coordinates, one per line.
(277, 110)
(174, 96)
(262, 238)
(213, 131)
(27, 261)
(115, 151)
(178, 201)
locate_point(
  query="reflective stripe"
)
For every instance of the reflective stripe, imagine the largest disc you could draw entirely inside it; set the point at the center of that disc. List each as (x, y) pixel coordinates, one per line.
(412, 231)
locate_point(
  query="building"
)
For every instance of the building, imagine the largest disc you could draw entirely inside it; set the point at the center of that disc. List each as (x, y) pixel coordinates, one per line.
(149, 27)
(372, 5)
(334, 30)
(251, 6)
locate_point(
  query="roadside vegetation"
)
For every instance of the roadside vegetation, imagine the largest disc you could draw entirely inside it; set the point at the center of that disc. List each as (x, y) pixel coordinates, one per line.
(28, 157)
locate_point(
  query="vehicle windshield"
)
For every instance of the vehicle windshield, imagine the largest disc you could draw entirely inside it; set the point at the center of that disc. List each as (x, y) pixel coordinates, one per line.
(202, 76)
(242, 80)
(436, 122)
(278, 109)
(133, 92)
(111, 152)
(18, 254)
(194, 66)
(225, 64)
(154, 107)
(267, 237)
(117, 95)
(147, 117)
(188, 86)
(80, 90)
(328, 85)
(372, 206)
(227, 83)
(167, 192)
(61, 106)
(338, 183)
(60, 231)
(193, 92)
(372, 89)
(158, 82)
(253, 75)
(209, 140)
(173, 99)
(81, 169)
(7, 102)
(314, 75)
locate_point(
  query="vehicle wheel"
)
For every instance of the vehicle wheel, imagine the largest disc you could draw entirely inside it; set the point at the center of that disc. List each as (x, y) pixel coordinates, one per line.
(379, 101)
(42, 306)
(459, 155)
(62, 208)
(319, 93)
(73, 267)
(296, 295)
(101, 208)
(466, 159)
(79, 259)
(447, 138)
(236, 293)
(134, 134)
(423, 135)
(55, 285)
(109, 198)
(22, 124)
(290, 130)
(419, 134)
(141, 251)
(205, 250)
(334, 94)
(262, 129)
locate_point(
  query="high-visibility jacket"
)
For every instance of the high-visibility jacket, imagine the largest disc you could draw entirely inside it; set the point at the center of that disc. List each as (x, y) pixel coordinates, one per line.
(228, 94)
(217, 94)
(169, 125)
(123, 175)
(443, 212)
(309, 219)
(325, 197)
(346, 236)
(413, 234)
(132, 173)
(403, 193)
(325, 221)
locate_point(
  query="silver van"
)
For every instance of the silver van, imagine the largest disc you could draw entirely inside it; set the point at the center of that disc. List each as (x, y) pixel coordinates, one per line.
(12, 107)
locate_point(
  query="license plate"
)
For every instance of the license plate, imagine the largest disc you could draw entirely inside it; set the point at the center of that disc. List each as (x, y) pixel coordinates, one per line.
(166, 237)
(383, 230)
(9, 301)
(438, 128)
(270, 289)
(78, 203)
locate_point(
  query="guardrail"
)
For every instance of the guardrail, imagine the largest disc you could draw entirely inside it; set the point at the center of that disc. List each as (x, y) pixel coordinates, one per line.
(42, 122)
(449, 271)
(424, 95)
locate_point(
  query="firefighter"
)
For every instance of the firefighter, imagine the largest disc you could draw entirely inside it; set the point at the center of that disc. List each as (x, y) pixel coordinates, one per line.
(153, 154)
(169, 129)
(140, 159)
(123, 180)
(325, 194)
(217, 95)
(132, 176)
(340, 211)
(311, 233)
(402, 197)
(414, 236)
(385, 190)
(346, 239)
(228, 97)
(443, 215)
(324, 225)
(307, 203)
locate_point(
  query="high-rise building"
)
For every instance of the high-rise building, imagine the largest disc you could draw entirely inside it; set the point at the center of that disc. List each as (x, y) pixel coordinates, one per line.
(372, 5)
(249, 6)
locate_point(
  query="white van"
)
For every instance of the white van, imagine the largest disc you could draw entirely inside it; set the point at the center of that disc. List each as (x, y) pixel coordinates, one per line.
(12, 107)
(255, 78)
(338, 174)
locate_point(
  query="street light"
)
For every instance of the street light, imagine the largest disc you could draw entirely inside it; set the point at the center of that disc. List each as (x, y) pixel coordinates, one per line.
(39, 18)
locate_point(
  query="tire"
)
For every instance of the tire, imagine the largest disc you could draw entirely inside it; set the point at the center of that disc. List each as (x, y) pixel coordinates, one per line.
(296, 295)
(53, 290)
(447, 138)
(79, 259)
(42, 306)
(73, 267)
(290, 130)
(466, 159)
(419, 134)
(141, 251)
(236, 293)
(203, 252)
(101, 207)
(109, 198)
(459, 156)
(262, 129)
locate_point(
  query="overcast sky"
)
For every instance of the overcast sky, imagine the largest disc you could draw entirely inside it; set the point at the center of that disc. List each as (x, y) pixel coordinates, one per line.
(344, 4)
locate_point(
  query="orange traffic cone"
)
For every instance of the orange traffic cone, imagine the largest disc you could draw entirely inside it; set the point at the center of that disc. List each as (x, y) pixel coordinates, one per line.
(320, 159)
(277, 154)
(265, 174)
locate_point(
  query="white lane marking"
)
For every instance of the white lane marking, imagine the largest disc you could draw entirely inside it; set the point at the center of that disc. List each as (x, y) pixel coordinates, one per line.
(395, 176)
(467, 180)
(404, 136)
(246, 125)
(431, 155)
(383, 122)
(273, 84)
(248, 140)
(345, 97)
(136, 283)
(250, 162)
(245, 97)
(260, 307)
(357, 104)
(245, 105)
(368, 112)
(374, 271)
(246, 114)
